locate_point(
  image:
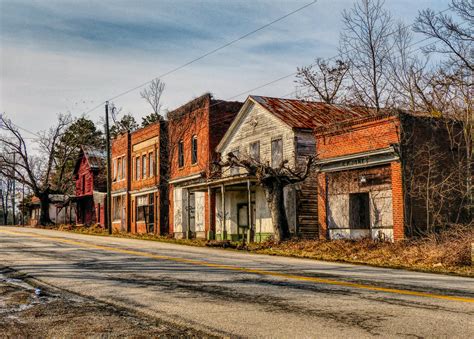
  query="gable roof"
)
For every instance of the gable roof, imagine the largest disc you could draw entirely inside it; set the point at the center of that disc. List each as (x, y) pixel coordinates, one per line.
(299, 114)
(302, 114)
(95, 158)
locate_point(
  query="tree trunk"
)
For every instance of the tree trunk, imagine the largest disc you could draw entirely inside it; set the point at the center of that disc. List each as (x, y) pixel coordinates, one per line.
(44, 210)
(276, 201)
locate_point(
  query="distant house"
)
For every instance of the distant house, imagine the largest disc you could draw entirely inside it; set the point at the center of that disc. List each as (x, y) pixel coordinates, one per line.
(195, 129)
(90, 176)
(139, 190)
(61, 211)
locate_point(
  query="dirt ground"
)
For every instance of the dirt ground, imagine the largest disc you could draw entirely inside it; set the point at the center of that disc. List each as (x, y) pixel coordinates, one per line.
(24, 314)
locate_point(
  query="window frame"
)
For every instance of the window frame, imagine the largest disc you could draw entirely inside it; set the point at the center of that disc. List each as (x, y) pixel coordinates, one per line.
(257, 144)
(180, 154)
(273, 160)
(144, 165)
(194, 150)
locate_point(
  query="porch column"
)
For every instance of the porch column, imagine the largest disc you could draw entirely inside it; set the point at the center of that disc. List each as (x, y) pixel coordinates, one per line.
(224, 232)
(209, 213)
(249, 212)
(188, 214)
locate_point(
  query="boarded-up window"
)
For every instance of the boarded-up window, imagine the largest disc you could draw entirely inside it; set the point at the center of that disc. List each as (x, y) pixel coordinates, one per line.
(277, 152)
(118, 207)
(254, 150)
(305, 146)
(234, 170)
(359, 210)
(194, 150)
(124, 173)
(180, 154)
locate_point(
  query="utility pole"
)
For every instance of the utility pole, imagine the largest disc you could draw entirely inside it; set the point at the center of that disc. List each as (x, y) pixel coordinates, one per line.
(13, 193)
(23, 206)
(108, 210)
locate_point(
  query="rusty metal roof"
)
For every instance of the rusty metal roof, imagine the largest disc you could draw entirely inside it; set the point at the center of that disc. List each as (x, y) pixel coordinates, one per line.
(95, 156)
(302, 114)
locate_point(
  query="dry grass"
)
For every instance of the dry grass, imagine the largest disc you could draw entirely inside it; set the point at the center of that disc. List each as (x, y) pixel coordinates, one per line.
(448, 252)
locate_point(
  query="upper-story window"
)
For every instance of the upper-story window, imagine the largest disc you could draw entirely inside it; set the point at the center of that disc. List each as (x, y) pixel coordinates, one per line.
(277, 152)
(83, 183)
(254, 150)
(144, 166)
(194, 150)
(181, 153)
(114, 170)
(137, 168)
(151, 164)
(234, 169)
(124, 173)
(120, 168)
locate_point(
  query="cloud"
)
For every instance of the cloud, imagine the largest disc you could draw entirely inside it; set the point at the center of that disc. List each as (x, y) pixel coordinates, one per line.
(71, 55)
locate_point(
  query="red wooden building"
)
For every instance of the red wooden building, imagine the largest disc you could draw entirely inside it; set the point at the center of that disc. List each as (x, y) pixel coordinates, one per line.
(91, 184)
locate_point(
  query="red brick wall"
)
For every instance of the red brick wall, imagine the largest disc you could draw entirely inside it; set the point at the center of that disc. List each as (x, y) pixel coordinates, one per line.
(359, 138)
(120, 147)
(323, 227)
(84, 170)
(191, 123)
(142, 135)
(397, 201)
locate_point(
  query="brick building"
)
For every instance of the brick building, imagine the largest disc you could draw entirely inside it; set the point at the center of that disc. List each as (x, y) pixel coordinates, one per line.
(373, 175)
(139, 191)
(89, 173)
(195, 129)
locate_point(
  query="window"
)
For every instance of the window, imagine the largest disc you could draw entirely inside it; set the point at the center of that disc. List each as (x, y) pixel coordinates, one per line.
(144, 166)
(118, 207)
(114, 170)
(359, 210)
(234, 170)
(137, 168)
(277, 152)
(194, 150)
(254, 150)
(120, 168)
(124, 173)
(180, 154)
(146, 210)
(151, 165)
(83, 187)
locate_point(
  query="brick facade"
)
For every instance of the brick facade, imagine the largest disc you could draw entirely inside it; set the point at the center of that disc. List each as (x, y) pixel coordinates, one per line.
(197, 127)
(349, 179)
(139, 194)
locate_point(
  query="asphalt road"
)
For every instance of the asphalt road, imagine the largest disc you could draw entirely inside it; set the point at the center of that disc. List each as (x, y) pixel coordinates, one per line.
(231, 293)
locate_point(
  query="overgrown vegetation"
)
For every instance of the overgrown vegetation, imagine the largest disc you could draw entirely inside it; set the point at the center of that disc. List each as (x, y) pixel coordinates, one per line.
(446, 252)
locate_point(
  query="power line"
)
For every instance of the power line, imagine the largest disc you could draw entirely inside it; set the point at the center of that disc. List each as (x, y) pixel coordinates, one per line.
(233, 41)
(227, 44)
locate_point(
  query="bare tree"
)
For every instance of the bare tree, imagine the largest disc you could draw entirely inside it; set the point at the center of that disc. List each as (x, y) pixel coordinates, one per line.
(273, 181)
(366, 44)
(152, 95)
(6, 187)
(323, 79)
(455, 38)
(33, 170)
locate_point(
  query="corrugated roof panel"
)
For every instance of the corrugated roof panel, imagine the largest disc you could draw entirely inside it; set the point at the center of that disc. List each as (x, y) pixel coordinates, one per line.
(309, 114)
